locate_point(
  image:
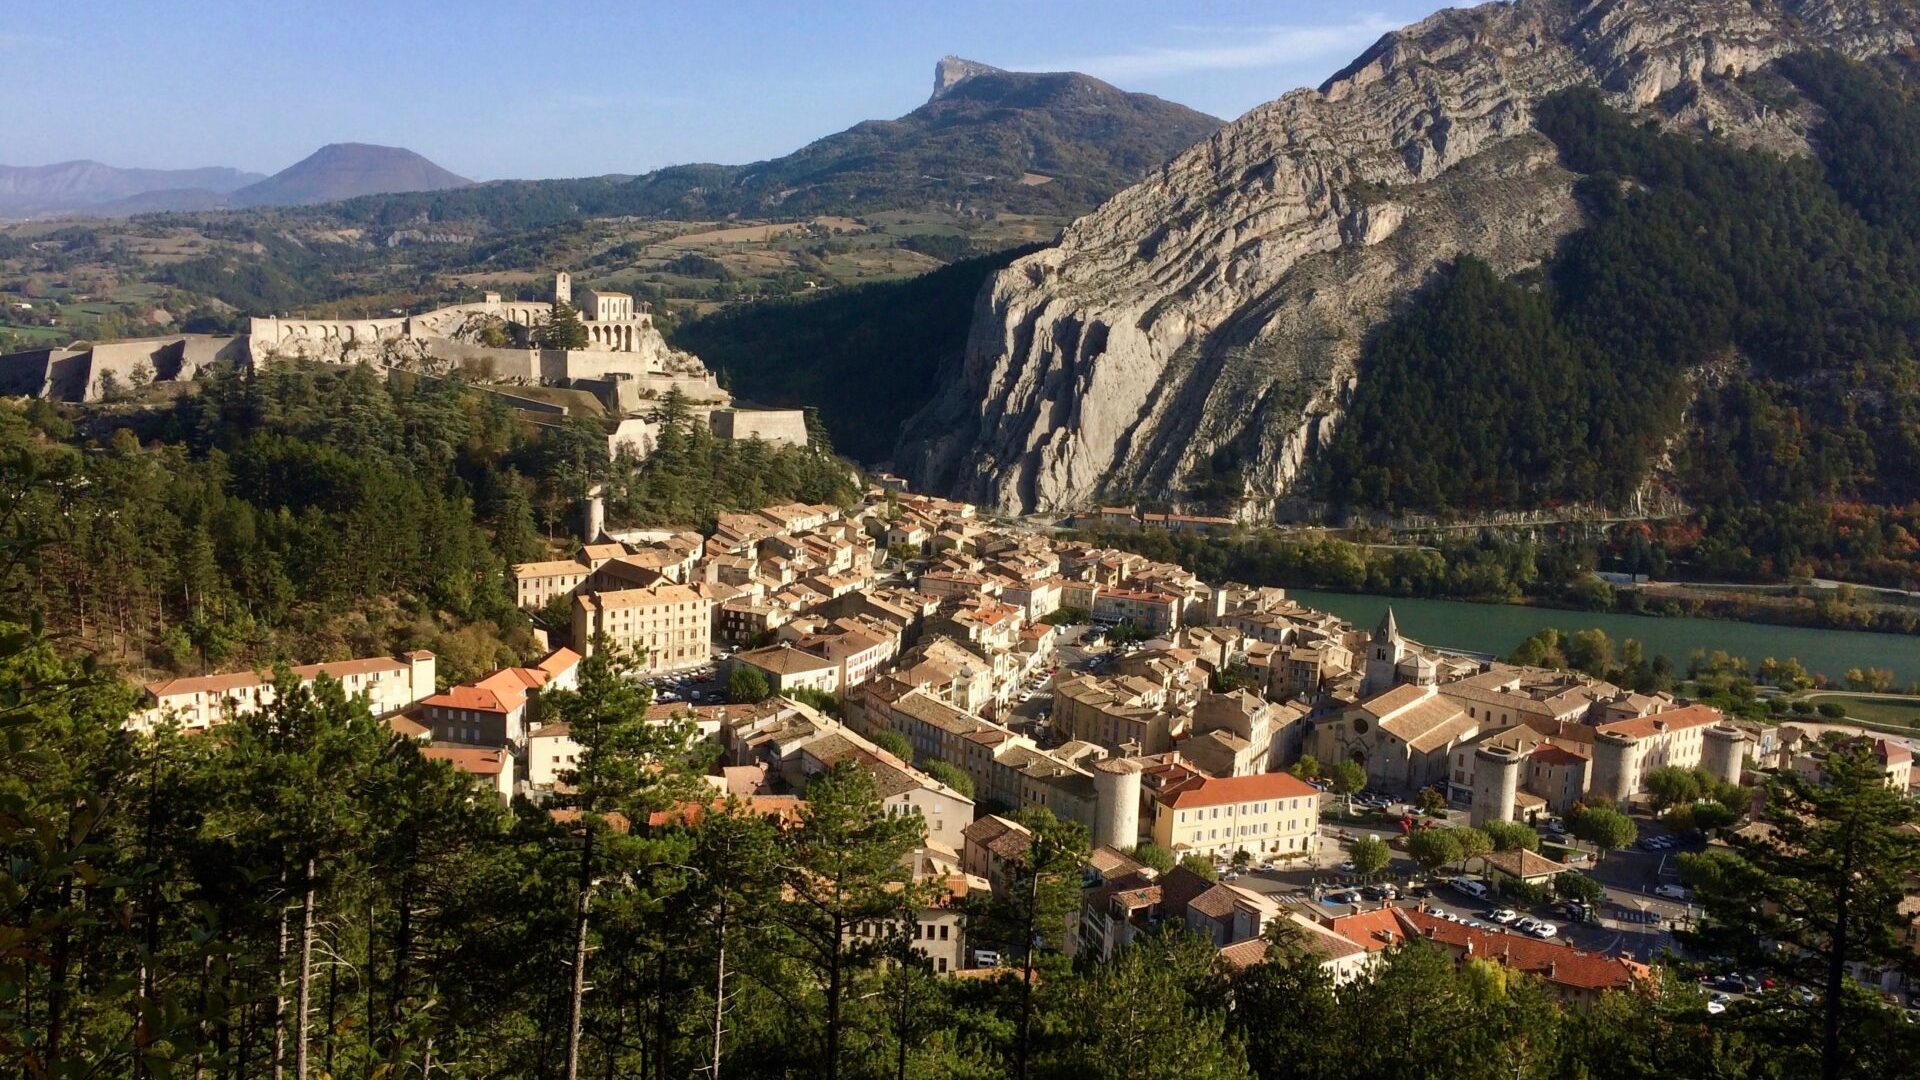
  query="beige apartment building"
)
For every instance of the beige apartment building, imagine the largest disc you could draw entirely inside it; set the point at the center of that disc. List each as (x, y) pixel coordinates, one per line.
(387, 683)
(671, 625)
(535, 583)
(1272, 814)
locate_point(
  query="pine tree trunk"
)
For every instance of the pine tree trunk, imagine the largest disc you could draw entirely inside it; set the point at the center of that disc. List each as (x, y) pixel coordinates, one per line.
(660, 1022)
(333, 997)
(833, 1000)
(402, 952)
(306, 977)
(577, 998)
(1026, 977)
(719, 992)
(280, 990)
(57, 982)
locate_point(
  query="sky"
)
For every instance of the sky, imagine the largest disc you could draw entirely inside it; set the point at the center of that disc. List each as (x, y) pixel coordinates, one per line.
(494, 89)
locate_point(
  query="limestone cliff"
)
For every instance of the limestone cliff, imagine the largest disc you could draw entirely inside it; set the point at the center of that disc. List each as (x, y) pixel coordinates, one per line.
(1214, 313)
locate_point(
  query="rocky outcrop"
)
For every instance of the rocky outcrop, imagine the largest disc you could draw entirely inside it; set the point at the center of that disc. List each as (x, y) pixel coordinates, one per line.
(951, 71)
(1212, 315)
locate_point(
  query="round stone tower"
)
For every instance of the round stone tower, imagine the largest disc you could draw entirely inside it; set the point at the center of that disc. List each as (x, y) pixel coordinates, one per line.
(1116, 812)
(1496, 784)
(1616, 768)
(1724, 752)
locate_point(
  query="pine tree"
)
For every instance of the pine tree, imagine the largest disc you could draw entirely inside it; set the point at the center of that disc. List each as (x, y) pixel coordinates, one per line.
(562, 329)
(1814, 894)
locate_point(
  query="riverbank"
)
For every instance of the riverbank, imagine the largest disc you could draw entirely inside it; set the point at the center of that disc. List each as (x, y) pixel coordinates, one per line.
(1547, 576)
(1499, 628)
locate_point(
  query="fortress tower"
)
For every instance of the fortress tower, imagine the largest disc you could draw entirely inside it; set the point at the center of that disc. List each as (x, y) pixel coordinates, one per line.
(1496, 784)
(1116, 814)
(1616, 767)
(1724, 752)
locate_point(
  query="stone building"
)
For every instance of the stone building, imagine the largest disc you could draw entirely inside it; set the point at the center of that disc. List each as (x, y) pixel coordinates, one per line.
(673, 624)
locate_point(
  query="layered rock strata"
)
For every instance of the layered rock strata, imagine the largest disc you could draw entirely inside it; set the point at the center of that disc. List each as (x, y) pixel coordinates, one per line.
(1213, 315)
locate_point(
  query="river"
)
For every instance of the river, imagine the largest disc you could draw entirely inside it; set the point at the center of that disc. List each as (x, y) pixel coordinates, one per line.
(1498, 628)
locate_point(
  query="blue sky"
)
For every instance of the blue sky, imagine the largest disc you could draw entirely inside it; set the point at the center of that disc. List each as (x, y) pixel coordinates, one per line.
(495, 89)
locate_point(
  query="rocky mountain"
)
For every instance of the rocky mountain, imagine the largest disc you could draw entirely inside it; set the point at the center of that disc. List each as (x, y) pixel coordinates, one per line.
(987, 140)
(82, 186)
(345, 170)
(1219, 309)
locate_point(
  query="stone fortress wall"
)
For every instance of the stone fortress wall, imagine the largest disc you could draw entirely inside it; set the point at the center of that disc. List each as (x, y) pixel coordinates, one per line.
(93, 373)
(781, 427)
(627, 364)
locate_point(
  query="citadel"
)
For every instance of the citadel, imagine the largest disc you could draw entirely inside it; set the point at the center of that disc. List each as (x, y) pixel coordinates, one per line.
(626, 363)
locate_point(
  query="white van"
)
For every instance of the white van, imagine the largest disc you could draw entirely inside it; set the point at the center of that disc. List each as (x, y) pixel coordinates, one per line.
(1474, 889)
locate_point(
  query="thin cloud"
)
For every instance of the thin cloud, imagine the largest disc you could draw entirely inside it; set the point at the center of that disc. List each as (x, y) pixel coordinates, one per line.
(1233, 50)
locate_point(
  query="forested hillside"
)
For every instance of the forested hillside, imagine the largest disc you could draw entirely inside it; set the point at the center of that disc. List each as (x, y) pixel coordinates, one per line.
(1771, 302)
(309, 514)
(867, 356)
(1054, 144)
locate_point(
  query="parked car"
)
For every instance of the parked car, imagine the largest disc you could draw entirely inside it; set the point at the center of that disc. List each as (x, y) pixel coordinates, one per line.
(985, 958)
(1504, 916)
(1717, 1004)
(1673, 892)
(1475, 889)
(1543, 929)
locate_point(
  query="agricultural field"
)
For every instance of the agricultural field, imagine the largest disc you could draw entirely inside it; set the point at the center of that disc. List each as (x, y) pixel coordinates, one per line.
(104, 279)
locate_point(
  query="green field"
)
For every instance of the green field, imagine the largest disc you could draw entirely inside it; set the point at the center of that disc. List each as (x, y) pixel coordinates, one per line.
(1901, 712)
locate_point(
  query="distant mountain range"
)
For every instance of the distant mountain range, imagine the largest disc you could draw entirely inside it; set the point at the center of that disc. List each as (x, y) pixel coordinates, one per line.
(80, 185)
(332, 173)
(988, 140)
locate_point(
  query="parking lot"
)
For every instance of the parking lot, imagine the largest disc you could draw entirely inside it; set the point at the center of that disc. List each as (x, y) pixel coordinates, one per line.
(1632, 918)
(704, 685)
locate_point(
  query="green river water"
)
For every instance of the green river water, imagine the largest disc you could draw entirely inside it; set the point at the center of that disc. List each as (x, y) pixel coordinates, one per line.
(1497, 629)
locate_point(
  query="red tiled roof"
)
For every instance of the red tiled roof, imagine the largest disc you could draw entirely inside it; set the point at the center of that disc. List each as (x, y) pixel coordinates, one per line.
(1210, 791)
(1549, 754)
(1557, 963)
(469, 759)
(475, 699)
(1371, 930)
(1640, 727)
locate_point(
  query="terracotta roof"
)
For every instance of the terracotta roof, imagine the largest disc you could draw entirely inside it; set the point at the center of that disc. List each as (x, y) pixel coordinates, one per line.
(1244, 954)
(1549, 754)
(557, 662)
(1554, 961)
(1111, 863)
(1180, 887)
(479, 761)
(554, 568)
(785, 810)
(784, 660)
(1371, 930)
(1523, 864)
(475, 699)
(1209, 791)
(337, 669)
(1672, 720)
(1215, 903)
